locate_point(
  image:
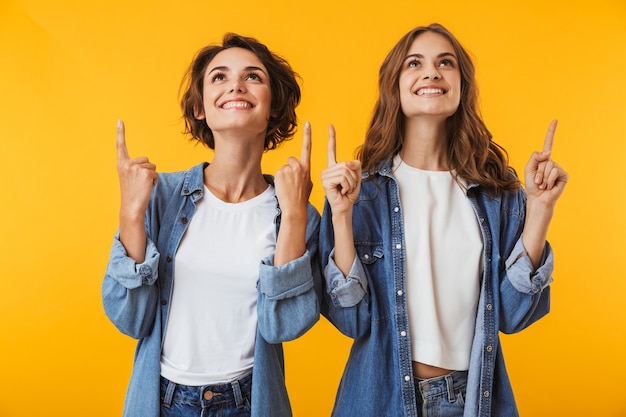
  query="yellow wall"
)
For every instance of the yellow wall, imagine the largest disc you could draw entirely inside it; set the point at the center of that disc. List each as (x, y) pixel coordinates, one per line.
(70, 69)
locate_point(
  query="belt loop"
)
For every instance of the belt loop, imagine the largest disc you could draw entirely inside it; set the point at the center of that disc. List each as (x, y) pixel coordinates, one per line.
(237, 392)
(169, 394)
(450, 386)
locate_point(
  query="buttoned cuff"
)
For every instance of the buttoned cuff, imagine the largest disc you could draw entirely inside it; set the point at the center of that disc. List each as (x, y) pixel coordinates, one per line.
(521, 272)
(285, 281)
(345, 291)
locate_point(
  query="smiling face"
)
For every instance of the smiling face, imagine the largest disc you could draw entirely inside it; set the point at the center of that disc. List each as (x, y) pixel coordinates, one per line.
(430, 80)
(236, 93)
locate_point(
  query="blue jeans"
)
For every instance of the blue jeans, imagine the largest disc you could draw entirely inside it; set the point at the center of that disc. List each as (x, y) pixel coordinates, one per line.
(231, 399)
(443, 396)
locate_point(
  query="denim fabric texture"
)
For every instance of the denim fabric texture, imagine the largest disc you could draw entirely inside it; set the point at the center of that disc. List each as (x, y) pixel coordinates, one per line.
(370, 304)
(222, 400)
(442, 396)
(136, 298)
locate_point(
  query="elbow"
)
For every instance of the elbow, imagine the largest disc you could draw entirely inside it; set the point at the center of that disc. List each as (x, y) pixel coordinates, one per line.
(291, 321)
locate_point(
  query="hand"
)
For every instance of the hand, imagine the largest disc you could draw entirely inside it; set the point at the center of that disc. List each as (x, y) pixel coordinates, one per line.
(293, 181)
(137, 177)
(545, 180)
(342, 181)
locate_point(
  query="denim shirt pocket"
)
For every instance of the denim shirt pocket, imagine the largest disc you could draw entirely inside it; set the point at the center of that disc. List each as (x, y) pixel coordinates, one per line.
(369, 253)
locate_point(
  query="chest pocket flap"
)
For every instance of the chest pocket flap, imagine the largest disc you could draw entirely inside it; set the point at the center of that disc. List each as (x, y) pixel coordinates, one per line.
(369, 253)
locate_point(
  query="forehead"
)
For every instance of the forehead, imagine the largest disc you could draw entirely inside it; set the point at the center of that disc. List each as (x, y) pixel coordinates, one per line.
(429, 43)
(236, 58)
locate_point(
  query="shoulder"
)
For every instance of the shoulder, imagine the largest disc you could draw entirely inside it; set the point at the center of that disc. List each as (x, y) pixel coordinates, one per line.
(187, 181)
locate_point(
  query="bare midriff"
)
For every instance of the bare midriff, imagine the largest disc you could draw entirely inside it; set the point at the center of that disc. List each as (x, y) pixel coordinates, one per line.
(424, 371)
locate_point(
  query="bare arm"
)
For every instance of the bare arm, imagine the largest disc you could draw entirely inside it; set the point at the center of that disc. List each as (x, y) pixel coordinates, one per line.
(137, 177)
(293, 188)
(544, 181)
(342, 182)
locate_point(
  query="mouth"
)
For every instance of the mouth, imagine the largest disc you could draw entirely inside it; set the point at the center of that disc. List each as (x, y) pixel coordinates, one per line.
(236, 104)
(429, 91)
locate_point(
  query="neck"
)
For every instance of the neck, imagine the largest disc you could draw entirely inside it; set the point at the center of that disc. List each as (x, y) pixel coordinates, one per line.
(425, 145)
(235, 173)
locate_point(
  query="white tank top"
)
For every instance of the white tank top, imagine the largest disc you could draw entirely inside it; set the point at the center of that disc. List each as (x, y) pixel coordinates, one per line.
(211, 328)
(444, 248)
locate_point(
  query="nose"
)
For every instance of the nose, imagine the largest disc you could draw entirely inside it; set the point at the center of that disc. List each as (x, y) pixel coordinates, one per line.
(237, 86)
(431, 74)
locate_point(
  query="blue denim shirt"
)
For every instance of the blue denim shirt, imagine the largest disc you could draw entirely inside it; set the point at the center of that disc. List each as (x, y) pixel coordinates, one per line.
(136, 298)
(370, 304)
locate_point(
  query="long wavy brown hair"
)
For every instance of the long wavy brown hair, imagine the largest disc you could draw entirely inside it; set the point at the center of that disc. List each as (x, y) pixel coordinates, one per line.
(283, 85)
(473, 155)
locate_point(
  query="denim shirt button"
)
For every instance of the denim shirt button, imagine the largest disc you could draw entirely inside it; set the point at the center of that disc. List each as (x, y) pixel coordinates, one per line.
(402, 333)
(486, 394)
(407, 378)
(398, 246)
(168, 259)
(400, 292)
(163, 302)
(184, 220)
(396, 209)
(489, 348)
(489, 307)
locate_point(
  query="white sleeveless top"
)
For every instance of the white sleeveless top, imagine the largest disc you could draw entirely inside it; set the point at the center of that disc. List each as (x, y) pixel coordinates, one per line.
(444, 248)
(212, 323)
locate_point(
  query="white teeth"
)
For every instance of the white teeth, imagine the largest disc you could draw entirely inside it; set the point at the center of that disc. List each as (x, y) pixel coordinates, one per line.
(429, 91)
(237, 104)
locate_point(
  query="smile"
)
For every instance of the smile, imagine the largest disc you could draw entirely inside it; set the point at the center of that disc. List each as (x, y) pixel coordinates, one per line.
(424, 91)
(236, 104)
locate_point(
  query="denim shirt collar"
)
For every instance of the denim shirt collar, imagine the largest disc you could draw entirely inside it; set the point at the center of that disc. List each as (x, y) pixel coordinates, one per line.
(193, 183)
(384, 169)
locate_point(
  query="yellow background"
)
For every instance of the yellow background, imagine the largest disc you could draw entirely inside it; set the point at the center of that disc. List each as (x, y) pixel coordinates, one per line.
(70, 69)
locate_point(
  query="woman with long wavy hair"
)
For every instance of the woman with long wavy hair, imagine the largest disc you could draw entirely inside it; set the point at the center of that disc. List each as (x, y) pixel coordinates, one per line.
(429, 244)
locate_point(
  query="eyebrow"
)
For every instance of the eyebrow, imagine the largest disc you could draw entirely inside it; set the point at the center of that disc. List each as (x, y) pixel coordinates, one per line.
(226, 69)
(441, 55)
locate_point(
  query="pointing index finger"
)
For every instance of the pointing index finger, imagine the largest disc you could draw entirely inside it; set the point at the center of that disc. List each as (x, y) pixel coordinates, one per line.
(332, 146)
(122, 151)
(306, 145)
(547, 144)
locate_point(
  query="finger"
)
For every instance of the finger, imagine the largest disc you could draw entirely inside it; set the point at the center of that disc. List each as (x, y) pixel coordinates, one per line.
(332, 158)
(306, 145)
(547, 144)
(553, 177)
(122, 151)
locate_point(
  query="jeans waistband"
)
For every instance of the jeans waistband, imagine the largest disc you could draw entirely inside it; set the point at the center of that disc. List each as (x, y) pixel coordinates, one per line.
(441, 385)
(206, 395)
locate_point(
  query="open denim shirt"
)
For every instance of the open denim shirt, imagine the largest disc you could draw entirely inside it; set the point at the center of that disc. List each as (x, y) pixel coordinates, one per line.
(136, 298)
(370, 304)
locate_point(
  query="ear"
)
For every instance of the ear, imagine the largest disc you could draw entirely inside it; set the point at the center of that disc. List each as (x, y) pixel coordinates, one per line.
(198, 113)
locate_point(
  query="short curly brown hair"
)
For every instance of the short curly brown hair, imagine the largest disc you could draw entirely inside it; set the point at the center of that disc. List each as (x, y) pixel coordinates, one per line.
(284, 88)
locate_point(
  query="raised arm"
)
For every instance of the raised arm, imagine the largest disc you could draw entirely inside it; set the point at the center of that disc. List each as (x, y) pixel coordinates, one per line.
(544, 182)
(137, 177)
(293, 188)
(341, 182)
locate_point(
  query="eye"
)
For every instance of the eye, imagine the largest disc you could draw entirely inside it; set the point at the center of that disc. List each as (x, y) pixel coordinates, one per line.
(413, 63)
(253, 76)
(446, 63)
(218, 76)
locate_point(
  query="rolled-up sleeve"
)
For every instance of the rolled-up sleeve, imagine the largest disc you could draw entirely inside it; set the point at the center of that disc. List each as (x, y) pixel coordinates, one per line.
(129, 295)
(287, 303)
(522, 274)
(345, 291)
